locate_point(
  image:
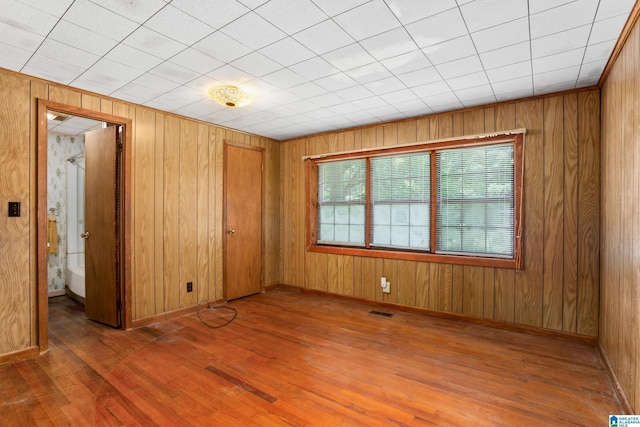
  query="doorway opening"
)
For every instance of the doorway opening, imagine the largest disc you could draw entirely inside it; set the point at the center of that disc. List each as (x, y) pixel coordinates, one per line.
(83, 221)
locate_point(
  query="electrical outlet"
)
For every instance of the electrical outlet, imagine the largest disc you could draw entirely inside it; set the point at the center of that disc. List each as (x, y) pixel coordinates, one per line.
(386, 286)
(14, 209)
(189, 286)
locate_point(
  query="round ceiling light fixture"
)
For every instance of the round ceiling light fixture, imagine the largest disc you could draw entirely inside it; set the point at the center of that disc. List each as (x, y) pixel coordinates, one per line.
(230, 96)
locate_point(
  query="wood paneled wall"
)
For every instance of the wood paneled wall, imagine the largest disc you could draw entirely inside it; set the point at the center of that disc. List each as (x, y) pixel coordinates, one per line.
(557, 289)
(176, 207)
(620, 242)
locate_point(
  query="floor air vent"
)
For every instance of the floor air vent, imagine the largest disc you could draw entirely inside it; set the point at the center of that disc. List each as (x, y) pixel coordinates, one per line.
(381, 313)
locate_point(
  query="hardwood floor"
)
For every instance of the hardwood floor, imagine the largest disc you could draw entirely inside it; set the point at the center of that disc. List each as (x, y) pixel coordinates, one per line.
(299, 359)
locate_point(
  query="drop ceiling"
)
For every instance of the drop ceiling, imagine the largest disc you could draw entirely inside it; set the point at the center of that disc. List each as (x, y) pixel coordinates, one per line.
(312, 65)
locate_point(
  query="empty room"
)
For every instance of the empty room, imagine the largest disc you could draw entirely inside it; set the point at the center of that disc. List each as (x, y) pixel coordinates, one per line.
(320, 212)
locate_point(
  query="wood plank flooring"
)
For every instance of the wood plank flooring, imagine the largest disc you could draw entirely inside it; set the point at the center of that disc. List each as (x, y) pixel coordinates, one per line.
(297, 359)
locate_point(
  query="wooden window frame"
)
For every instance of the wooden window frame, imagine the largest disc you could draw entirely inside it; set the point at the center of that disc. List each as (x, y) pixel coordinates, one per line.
(517, 262)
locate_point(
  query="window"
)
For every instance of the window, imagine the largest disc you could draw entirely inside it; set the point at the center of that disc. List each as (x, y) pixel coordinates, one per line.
(449, 201)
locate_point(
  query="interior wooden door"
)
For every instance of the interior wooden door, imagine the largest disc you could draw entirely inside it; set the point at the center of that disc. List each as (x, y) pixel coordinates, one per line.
(102, 291)
(243, 251)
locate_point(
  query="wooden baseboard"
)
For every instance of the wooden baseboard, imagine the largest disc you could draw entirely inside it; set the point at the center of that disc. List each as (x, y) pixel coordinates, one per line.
(19, 355)
(532, 330)
(612, 376)
(168, 315)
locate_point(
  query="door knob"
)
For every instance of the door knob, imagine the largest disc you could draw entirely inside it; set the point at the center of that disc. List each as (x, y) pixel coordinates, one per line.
(231, 230)
(85, 235)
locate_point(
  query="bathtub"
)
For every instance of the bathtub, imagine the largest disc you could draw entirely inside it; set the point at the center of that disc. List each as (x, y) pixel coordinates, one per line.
(75, 282)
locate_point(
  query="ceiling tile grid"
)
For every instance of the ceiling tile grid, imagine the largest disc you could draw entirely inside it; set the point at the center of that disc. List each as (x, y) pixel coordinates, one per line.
(313, 65)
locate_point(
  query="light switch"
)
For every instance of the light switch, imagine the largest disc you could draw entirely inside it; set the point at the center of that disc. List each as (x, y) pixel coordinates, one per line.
(14, 209)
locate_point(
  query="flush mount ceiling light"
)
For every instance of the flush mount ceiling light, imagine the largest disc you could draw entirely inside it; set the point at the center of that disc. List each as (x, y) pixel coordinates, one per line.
(230, 96)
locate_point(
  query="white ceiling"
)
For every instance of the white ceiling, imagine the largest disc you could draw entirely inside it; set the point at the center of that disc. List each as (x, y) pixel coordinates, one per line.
(313, 65)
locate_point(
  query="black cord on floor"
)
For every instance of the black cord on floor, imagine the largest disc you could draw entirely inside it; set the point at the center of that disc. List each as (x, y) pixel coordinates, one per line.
(217, 307)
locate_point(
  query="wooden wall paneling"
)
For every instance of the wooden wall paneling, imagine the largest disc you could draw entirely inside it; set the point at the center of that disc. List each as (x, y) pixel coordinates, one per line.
(334, 281)
(390, 134)
(345, 274)
(407, 132)
(216, 160)
(39, 90)
(528, 290)
(300, 243)
(422, 129)
(171, 248)
(286, 203)
(407, 283)
(123, 110)
(473, 277)
(634, 105)
(570, 212)
(188, 211)
(106, 106)
(589, 212)
(369, 136)
(90, 102)
(65, 95)
(432, 269)
(357, 277)
(15, 287)
(423, 285)
(158, 204)
(553, 154)
(504, 287)
(370, 283)
(144, 214)
(390, 271)
(489, 273)
(202, 232)
(457, 283)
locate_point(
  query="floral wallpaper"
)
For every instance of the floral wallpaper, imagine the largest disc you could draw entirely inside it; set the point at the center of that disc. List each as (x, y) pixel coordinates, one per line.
(61, 147)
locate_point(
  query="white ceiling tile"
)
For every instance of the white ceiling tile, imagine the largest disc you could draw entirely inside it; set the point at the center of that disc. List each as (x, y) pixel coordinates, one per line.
(256, 64)
(431, 89)
(203, 83)
(336, 82)
(372, 102)
(308, 90)
(558, 61)
(569, 74)
(287, 52)
(253, 30)
(196, 61)
(153, 43)
(588, 81)
(215, 13)
(481, 14)
(332, 7)
(291, 16)
(402, 95)
(389, 44)
(390, 84)
(609, 9)
(230, 75)
(408, 11)
(52, 69)
(32, 20)
(138, 11)
(460, 67)
(174, 73)
(476, 92)
(56, 8)
(108, 74)
(284, 78)
(509, 86)
(344, 109)
(179, 26)
(505, 56)
(508, 34)
(56, 50)
(451, 50)
(354, 93)
(420, 77)
(413, 108)
(303, 106)
(199, 108)
(348, 57)
(99, 20)
(542, 5)
(12, 57)
(21, 39)
(314, 68)
(327, 100)
(134, 92)
(251, 4)
(368, 73)
(259, 87)
(468, 81)
(490, 99)
(222, 47)
(556, 87)
(560, 42)
(607, 29)
(133, 57)
(438, 28)
(443, 102)
(509, 72)
(562, 18)
(81, 38)
(518, 94)
(158, 85)
(383, 111)
(592, 70)
(408, 62)
(324, 37)
(600, 51)
(358, 22)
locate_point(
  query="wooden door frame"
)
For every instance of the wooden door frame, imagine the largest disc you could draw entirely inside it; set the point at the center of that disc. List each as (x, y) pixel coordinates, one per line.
(224, 213)
(41, 208)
